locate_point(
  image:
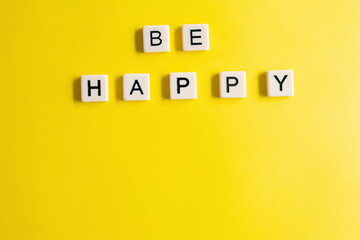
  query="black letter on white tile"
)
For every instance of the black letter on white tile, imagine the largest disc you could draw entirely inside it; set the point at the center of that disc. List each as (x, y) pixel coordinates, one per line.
(136, 87)
(152, 37)
(94, 87)
(192, 37)
(228, 84)
(280, 82)
(181, 85)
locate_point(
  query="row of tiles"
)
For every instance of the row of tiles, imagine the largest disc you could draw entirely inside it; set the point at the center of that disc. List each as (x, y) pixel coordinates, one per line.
(195, 37)
(94, 88)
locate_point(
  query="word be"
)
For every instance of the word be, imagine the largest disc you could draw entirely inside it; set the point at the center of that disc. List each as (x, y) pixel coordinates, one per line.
(157, 39)
(94, 88)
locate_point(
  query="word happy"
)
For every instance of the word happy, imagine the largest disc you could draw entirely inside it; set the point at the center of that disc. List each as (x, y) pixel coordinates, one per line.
(195, 37)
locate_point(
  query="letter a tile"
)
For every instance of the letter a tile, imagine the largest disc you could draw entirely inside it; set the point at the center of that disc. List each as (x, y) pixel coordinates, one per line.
(136, 87)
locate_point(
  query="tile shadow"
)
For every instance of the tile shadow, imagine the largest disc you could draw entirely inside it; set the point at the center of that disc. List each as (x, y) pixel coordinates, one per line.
(262, 84)
(119, 88)
(77, 89)
(165, 86)
(139, 40)
(215, 90)
(178, 39)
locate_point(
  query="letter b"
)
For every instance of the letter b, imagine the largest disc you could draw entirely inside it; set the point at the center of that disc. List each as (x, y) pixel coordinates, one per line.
(155, 35)
(156, 38)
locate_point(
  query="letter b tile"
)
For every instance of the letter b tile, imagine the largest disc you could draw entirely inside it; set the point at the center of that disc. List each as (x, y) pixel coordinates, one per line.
(280, 83)
(156, 38)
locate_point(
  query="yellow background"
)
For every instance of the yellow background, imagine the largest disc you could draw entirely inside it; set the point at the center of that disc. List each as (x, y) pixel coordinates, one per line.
(254, 168)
